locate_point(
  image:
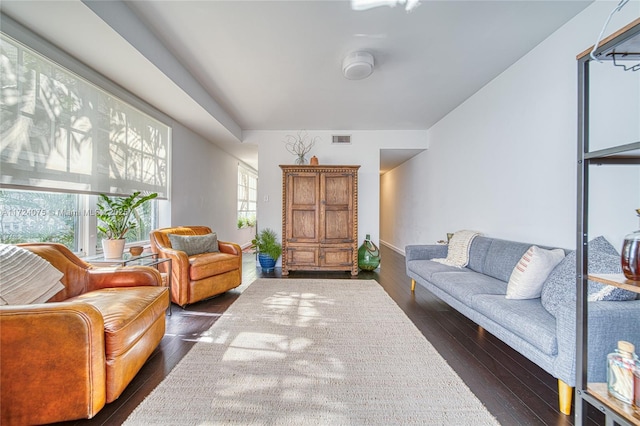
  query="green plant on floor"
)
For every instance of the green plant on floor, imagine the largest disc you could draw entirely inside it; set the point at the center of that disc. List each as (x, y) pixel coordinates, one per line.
(266, 242)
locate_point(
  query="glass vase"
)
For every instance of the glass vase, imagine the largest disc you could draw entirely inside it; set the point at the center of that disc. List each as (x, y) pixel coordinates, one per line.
(368, 255)
(631, 256)
(620, 367)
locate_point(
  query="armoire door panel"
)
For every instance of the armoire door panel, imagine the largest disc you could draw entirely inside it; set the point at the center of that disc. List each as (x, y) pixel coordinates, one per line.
(336, 257)
(303, 256)
(304, 225)
(304, 190)
(337, 226)
(336, 190)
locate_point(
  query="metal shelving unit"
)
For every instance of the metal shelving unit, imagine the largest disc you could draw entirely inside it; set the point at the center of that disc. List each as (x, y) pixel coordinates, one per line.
(622, 45)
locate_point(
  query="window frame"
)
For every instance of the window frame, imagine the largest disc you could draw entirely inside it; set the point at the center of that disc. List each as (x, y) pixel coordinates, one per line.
(247, 176)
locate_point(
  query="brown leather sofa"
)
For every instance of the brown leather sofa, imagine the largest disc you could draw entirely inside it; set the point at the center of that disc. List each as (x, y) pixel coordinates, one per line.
(199, 276)
(64, 359)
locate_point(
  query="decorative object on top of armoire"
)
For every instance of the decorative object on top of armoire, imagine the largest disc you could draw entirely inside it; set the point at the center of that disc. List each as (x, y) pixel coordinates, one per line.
(314, 161)
(320, 218)
(368, 255)
(300, 145)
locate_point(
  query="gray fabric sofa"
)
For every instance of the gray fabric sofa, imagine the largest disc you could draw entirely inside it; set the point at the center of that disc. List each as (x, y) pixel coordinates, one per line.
(542, 329)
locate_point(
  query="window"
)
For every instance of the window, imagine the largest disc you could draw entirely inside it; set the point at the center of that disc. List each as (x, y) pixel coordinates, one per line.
(28, 216)
(247, 197)
(32, 216)
(65, 140)
(62, 133)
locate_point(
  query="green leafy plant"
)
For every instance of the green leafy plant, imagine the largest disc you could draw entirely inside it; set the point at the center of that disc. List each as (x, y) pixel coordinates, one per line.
(266, 242)
(251, 221)
(118, 214)
(242, 222)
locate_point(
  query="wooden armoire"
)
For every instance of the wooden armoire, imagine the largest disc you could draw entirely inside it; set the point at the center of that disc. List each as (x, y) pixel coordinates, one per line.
(319, 218)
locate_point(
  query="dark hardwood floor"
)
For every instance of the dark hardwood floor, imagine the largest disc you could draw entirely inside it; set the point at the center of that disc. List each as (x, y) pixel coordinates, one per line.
(514, 390)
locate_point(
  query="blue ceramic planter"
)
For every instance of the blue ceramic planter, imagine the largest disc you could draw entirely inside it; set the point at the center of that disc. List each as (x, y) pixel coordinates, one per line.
(266, 262)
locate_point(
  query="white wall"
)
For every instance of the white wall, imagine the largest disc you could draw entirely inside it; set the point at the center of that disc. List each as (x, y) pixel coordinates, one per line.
(504, 162)
(204, 187)
(364, 151)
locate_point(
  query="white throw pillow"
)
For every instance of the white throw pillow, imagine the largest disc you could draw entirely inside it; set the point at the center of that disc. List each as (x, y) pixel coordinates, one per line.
(532, 270)
(25, 277)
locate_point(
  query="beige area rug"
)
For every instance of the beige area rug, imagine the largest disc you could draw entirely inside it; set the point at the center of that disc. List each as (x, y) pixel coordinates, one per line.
(312, 352)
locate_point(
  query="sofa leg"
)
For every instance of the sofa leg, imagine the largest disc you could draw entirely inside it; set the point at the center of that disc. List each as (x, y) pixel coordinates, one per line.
(565, 395)
(413, 285)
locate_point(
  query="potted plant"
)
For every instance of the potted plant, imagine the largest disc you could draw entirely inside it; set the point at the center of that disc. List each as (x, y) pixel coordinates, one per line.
(268, 248)
(118, 216)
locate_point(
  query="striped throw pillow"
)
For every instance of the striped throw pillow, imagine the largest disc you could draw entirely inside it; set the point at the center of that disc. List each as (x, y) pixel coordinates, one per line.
(531, 271)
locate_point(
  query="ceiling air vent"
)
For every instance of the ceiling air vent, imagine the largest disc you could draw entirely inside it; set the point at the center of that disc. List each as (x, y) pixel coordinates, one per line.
(341, 139)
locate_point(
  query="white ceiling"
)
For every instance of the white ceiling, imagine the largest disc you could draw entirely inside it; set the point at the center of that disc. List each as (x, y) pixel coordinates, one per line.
(223, 67)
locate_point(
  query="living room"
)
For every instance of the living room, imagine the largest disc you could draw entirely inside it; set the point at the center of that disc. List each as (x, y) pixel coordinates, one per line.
(500, 161)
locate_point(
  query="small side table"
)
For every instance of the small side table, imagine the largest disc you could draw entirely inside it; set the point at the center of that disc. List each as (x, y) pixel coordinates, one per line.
(144, 259)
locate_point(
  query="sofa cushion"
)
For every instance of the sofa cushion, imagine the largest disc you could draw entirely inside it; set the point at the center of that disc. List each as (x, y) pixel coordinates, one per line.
(502, 257)
(195, 244)
(602, 245)
(478, 253)
(560, 287)
(531, 272)
(426, 268)
(207, 265)
(526, 318)
(463, 286)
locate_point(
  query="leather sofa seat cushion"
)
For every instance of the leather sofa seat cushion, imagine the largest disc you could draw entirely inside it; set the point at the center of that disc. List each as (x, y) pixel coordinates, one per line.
(128, 313)
(207, 265)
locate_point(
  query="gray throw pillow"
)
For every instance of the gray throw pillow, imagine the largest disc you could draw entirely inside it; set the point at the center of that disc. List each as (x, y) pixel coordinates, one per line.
(560, 287)
(195, 244)
(602, 245)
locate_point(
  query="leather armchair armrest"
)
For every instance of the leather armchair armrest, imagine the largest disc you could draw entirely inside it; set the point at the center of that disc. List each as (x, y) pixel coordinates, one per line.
(179, 271)
(52, 362)
(124, 276)
(230, 248)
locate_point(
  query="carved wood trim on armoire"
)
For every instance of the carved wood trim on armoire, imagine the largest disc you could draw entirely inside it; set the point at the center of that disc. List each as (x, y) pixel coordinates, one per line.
(319, 218)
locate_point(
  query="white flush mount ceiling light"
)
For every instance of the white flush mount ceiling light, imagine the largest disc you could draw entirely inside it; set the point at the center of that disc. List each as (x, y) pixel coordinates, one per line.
(357, 65)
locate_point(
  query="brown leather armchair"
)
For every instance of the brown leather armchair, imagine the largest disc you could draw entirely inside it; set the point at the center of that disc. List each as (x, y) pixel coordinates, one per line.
(199, 276)
(64, 359)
